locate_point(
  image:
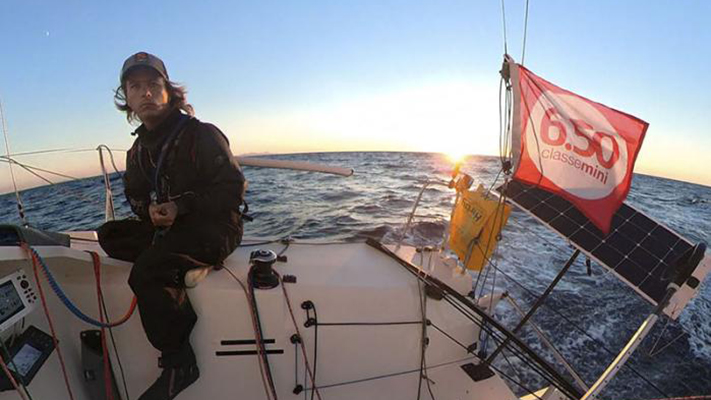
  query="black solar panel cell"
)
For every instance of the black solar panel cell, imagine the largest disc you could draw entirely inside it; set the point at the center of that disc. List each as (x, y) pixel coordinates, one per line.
(620, 242)
(654, 289)
(630, 270)
(661, 271)
(644, 259)
(513, 189)
(564, 225)
(545, 212)
(590, 227)
(608, 256)
(559, 203)
(663, 235)
(643, 222)
(655, 247)
(541, 195)
(632, 233)
(585, 239)
(625, 211)
(617, 221)
(576, 216)
(527, 202)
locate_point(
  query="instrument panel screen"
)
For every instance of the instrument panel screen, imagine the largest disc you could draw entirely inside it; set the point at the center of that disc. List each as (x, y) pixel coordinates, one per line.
(10, 301)
(25, 359)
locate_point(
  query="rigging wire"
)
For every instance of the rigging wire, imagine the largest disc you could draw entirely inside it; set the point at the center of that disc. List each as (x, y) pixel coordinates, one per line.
(393, 374)
(310, 372)
(27, 166)
(313, 389)
(581, 330)
(514, 370)
(425, 322)
(568, 320)
(20, 206)
(525, 30)
(423, 337)
(468, 310)
(503, 15)
(499, 371)
(49, 151)
(51, 183)
(538, 369)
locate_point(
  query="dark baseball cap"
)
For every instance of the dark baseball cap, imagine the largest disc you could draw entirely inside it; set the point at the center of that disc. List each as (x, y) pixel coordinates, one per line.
(143, 59)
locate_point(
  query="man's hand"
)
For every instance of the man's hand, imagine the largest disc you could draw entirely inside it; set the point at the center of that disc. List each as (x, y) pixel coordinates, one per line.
(163, 215)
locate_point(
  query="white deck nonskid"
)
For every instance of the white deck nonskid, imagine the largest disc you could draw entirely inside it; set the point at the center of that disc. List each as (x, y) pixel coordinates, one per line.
(348, 283)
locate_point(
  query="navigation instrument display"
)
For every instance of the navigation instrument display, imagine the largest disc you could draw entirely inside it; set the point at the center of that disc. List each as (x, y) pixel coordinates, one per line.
(10, 301)
(25, 359)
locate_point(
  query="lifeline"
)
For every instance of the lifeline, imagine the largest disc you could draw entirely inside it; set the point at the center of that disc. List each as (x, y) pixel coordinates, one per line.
(565, 158)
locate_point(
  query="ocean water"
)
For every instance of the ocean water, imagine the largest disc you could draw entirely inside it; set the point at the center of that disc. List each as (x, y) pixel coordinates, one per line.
(599, 312)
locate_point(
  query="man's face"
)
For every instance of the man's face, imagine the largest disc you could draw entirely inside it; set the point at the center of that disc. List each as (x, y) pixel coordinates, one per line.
(146, 95)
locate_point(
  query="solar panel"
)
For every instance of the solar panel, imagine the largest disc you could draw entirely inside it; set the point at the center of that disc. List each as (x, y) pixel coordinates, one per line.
(639, 250)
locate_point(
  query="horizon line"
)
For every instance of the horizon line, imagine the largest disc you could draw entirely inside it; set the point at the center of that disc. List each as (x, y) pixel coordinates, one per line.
(10, 190)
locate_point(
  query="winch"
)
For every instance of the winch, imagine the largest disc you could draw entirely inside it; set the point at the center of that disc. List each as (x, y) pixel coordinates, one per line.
(261, 273)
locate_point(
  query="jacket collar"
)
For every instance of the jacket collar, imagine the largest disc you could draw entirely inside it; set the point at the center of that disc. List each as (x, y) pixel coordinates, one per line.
(153, 138)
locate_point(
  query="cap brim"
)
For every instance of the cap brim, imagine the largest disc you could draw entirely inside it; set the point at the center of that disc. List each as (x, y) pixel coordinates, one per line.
(134, 68)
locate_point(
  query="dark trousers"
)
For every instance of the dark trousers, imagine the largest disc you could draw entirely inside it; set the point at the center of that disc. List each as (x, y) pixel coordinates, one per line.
(160, 262)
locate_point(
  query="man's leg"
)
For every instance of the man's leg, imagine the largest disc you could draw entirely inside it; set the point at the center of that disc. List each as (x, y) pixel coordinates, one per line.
(125, 239)
(157, 279)
(167, 317)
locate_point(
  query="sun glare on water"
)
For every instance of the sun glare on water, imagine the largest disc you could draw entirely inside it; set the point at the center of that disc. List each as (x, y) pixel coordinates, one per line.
(455, 155)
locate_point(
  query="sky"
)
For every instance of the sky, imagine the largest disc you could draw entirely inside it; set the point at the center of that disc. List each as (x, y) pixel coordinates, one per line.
(368, 75)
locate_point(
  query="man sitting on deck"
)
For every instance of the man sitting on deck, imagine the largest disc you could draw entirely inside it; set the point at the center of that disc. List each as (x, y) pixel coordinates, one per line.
(186, 188)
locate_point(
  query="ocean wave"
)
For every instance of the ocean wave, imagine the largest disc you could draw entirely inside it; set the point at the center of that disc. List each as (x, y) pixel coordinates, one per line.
(375, 203)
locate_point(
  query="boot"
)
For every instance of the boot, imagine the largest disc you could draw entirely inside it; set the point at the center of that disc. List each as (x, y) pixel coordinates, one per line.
(171, 382)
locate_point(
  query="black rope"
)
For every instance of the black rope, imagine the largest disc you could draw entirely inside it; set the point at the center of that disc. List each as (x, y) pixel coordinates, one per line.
(390, 375)
(367, 323)
(535, 361)
(296, 364)
(451, 337)
(495, 334)
(260, 338)
(506, 358)
(315, 325)
(499, 371)
(286, 242)
(113, 343)
(551, 377)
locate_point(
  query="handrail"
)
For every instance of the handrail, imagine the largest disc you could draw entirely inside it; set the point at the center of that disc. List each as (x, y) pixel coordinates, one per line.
(414, 209)
(110, 212)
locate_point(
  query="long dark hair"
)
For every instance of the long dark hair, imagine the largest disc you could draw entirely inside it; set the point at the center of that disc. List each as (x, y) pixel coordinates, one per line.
(177, 98)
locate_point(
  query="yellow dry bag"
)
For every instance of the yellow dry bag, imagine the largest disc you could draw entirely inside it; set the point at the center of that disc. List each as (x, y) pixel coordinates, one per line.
(475, 226)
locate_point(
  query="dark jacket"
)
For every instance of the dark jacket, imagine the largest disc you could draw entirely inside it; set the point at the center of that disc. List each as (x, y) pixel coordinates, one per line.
(199, 172)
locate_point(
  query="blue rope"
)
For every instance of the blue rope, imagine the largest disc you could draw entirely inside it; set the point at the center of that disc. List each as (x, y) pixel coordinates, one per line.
(63, 297)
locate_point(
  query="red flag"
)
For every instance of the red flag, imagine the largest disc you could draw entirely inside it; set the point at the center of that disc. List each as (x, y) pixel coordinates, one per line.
(574, 147)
